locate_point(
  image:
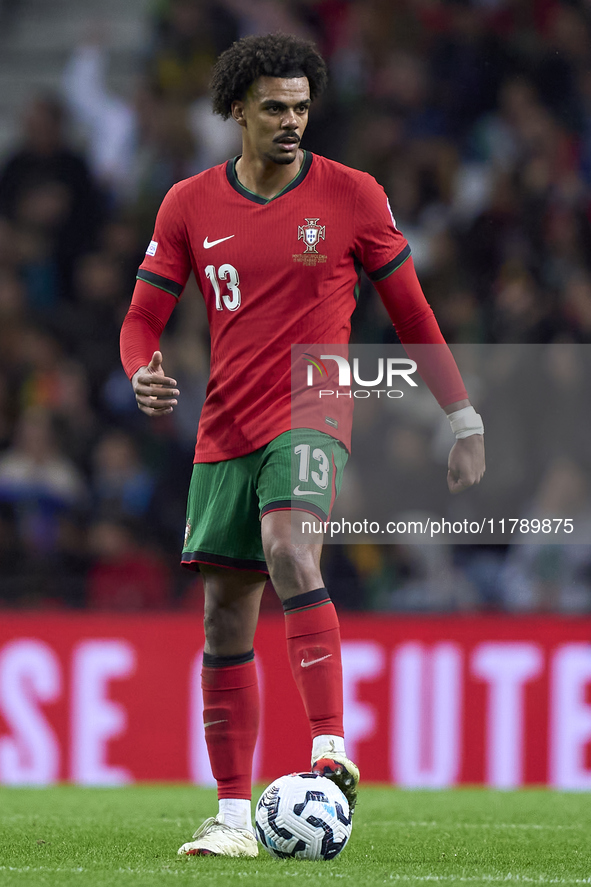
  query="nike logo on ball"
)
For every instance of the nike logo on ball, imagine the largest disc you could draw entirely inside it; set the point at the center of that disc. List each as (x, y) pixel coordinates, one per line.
(208, 245)
(305, 664)
(298, 492)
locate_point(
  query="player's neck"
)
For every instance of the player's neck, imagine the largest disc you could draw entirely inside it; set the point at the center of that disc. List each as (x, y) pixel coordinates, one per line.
(264, 177)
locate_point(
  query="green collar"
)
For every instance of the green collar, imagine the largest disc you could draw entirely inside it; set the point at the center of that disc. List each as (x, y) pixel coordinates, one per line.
(256, 198)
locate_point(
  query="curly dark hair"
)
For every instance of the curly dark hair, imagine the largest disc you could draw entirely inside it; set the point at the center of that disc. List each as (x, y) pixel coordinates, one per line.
(267, 55)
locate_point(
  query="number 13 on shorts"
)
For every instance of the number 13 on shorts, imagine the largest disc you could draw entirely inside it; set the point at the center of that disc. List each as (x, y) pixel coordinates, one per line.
(318, 461)
(320, 477)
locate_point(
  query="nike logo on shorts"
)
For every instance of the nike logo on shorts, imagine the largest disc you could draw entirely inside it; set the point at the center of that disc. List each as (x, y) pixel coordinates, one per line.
(208, 245)
(305, 664)
(298, 492)
(211, 723)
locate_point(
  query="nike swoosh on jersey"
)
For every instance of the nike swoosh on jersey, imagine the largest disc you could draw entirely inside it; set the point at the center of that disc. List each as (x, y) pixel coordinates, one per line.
(211, 723)
(298, 492)
(208, 245)
(305, 664)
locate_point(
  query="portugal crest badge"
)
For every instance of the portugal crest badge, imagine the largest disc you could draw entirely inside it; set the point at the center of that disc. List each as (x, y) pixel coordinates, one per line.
(311, 233)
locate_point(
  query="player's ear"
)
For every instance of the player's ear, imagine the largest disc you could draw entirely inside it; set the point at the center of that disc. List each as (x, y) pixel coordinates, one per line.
(238, 113)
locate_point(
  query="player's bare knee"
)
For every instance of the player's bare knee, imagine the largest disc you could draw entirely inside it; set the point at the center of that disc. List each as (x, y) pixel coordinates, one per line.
(291, 567)
(224, 628)
(213, 629)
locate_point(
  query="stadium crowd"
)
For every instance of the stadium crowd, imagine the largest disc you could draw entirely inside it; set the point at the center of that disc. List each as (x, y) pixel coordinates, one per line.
(475, 115)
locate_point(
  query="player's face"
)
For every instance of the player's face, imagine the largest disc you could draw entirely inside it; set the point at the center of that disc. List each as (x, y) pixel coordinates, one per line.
(274, 116)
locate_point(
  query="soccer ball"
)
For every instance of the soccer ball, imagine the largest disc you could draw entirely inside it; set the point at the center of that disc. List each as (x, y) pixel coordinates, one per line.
(304, 816)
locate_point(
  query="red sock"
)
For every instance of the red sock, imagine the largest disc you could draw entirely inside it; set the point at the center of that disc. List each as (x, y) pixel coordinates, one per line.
(231, 720)
(314, 650)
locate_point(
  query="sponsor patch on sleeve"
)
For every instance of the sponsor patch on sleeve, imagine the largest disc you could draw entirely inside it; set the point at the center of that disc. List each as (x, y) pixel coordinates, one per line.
(151, 251)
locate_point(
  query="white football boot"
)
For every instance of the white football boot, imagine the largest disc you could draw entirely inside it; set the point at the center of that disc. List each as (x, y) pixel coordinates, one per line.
(215, 838)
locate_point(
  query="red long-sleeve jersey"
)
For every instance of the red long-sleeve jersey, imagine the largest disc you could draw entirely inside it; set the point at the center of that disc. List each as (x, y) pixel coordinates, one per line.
(274, 273)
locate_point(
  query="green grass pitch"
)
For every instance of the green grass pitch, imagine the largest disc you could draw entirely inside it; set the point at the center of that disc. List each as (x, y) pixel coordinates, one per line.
(97, 837)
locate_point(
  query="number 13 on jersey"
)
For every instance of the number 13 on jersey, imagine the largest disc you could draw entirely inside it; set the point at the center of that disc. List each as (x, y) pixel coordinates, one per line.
(229, 275)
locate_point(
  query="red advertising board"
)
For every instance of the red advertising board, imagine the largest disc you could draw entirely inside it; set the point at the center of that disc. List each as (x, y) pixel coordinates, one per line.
(429, 702)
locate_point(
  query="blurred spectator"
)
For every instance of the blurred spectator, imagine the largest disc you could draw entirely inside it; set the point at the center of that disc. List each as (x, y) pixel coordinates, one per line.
(567, 49)
(554, 577)
(520, 312)
(46, 188)
(166, 153)
(497, 137)
(39, 480)
(138, 149)
(189, 37)
(57, 383)
(121, 485)
(108, 123)
(89, 325)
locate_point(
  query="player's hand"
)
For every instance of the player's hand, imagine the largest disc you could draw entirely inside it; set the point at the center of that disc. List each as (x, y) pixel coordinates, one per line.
(466, 463)
(155, 393)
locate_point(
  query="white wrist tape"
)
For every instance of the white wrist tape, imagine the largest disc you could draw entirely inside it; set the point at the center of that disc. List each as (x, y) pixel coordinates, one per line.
(465, 422)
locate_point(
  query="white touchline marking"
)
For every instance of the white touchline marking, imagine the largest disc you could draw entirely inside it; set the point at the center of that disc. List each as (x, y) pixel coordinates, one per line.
(208, 245)
(454, 879)
(211, 723)
(491, 879)
(305, 664)
(494, 825)
(41, 868)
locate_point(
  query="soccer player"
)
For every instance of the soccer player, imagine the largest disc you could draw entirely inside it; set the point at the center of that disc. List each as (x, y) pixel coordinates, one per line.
(275, 238)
